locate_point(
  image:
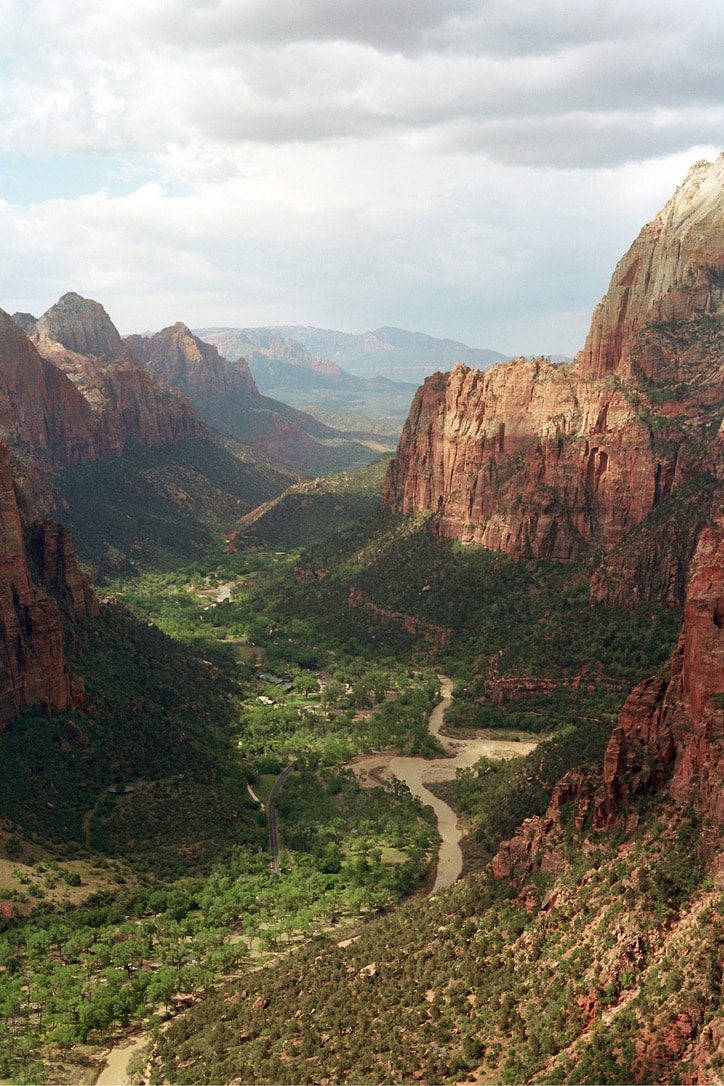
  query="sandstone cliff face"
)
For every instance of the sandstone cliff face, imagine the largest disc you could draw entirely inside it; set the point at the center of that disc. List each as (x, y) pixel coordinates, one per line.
(32, 663)
(180, 359)
(672, 732)
(548, 461)
(43, 416)
(672, 273)
(525, 459)
(670, 735)
(77, 336)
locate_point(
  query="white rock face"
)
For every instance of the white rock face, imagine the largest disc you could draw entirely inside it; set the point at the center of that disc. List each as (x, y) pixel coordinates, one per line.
(674, 270)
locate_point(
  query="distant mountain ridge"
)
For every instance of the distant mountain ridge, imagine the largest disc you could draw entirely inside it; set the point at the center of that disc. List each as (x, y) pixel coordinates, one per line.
(388, 352)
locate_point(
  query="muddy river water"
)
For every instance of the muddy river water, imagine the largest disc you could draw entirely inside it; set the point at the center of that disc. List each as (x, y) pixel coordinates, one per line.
(416, 772)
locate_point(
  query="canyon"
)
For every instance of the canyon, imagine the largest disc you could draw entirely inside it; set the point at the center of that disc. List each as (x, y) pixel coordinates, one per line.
(227, 398)
(610, 466)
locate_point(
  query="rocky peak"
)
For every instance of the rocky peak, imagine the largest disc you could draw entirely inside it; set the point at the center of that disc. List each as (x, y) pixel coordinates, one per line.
(26, 321)
(548, 461)
(76, 336)
(673, 272)
(180, 359)
(83, 327)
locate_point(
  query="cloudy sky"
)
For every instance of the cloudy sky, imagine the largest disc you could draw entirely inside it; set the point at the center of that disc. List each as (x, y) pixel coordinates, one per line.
(468, 168)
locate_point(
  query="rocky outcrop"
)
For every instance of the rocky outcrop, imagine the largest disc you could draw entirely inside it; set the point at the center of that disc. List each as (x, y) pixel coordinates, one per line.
(418, 627)
(180, 359)
(672, 275)
(26, 321)
(657, 337)
(33, 563)
(78, 338)
(525, 459)
(669, 737)
(671, 732)
(548, 461)
(83, 327)
(53, 419)
(130, 407)
(43, 416)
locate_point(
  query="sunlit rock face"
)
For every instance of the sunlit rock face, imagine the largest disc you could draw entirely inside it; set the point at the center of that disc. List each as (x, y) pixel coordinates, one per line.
(672, 273)
(78, 337)
(180, 359)
(548, 461)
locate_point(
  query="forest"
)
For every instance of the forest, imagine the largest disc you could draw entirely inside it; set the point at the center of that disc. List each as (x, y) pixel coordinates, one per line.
(138, 889)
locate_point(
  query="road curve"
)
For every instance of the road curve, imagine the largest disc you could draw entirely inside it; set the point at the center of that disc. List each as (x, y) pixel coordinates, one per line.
(273, 821)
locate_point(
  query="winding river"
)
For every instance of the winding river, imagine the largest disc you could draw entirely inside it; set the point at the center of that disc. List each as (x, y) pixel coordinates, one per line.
(460, 753)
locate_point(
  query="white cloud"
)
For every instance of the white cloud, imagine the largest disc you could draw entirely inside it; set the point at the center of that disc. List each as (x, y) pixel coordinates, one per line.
(470, 168)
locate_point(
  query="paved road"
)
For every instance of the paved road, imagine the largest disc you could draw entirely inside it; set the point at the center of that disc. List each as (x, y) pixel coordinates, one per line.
(271, 815)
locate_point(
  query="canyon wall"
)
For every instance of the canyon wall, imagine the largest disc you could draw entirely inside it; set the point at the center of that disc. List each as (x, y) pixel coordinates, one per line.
(43, 416)
(181, 360)
(669, 737)
(78, 337)
(36, 558)
(60, 408)
(556, 461)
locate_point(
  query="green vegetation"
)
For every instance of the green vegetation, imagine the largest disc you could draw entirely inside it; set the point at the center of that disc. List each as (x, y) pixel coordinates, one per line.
(155, 508)
(476, 984)
(281, 643)
(312, 512)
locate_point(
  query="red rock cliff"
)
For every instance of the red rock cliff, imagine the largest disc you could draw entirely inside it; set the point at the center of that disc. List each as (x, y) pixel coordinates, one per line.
(43, 416)
(525, 459)
(671, 732)
(78, 337)
(179, 358)
(545, 461)
(32, 663)
(669, 736)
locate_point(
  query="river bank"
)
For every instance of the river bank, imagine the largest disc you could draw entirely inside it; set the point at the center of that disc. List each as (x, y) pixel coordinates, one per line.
(417, 772)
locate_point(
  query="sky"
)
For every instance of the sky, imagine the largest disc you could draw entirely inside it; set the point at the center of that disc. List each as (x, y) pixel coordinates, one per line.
(472, 169)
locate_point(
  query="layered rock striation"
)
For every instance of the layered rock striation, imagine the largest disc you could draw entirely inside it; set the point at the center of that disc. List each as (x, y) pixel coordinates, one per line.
(181, 360)
(669, 737)
(524, 459)
(671, 731)
(78, 337)
(59, 408)
(39, 579)
(554, 461)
